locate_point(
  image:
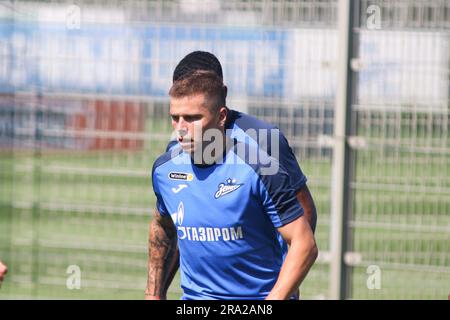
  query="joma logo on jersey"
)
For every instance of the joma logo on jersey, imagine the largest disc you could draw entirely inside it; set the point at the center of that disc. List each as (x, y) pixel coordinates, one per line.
(226, 188)
(181, 176)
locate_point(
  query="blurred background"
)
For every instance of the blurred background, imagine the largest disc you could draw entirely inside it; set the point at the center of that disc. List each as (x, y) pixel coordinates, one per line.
(84, 113)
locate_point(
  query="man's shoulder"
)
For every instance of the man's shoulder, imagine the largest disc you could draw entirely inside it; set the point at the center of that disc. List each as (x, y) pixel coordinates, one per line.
(257, 158)
(267, 135)
(165, 158)
(245, 121)
(262, 132)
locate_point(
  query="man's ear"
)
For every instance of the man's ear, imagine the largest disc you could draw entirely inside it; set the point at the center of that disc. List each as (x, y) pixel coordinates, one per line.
(222, 116)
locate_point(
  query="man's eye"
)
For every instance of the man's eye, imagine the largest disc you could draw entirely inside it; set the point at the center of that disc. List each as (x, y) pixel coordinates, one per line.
(192, 118)
(175, 118)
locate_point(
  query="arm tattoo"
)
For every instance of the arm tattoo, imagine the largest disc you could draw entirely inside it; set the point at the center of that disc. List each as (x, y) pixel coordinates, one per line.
(162, 250)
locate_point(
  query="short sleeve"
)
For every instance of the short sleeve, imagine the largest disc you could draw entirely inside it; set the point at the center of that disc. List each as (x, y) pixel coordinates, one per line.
(290, 163)
(279, 198)
(160, 206)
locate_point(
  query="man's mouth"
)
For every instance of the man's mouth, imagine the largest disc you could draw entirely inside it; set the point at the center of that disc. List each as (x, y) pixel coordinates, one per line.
(186, 143)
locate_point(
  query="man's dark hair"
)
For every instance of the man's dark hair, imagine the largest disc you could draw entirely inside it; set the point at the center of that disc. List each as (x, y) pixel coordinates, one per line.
(200, 82)
(197, 60)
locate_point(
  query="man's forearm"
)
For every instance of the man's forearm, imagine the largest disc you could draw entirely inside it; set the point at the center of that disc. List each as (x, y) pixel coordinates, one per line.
(162, 249)
(298, 261)
(173, 268)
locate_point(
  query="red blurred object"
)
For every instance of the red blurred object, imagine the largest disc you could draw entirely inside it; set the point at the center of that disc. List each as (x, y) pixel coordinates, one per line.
(68, 123)
(112, 124)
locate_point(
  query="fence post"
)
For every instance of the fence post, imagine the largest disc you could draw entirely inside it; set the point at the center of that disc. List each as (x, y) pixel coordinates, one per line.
(38, 118)
(343, 164)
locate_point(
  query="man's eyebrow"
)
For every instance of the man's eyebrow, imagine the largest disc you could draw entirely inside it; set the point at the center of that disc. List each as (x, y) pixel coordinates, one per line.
(185, 115)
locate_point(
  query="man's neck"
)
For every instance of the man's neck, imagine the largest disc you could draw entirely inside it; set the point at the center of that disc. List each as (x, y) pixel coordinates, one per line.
(212, 155)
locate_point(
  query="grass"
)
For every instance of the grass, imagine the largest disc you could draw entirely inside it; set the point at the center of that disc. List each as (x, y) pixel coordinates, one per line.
(54, 213)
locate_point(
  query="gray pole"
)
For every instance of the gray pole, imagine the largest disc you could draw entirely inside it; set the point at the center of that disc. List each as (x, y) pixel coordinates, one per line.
(342, 169)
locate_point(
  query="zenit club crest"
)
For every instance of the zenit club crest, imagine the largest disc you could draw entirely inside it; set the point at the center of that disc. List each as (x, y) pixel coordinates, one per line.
(225, 188)
(181, 176)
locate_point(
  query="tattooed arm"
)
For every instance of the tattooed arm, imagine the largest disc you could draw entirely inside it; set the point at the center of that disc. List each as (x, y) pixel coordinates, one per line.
(162, 257)
(173, 268)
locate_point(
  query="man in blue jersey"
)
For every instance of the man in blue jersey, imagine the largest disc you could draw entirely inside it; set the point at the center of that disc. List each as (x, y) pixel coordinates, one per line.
(237, 125)
(227, 209)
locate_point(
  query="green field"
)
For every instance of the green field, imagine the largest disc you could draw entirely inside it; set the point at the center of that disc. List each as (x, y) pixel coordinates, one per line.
(92, 209)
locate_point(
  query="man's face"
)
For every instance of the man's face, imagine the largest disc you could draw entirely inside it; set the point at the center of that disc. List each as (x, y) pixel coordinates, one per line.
(191, 118)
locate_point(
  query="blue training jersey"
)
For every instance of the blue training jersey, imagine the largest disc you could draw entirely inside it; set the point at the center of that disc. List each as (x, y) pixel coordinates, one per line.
(226, 216)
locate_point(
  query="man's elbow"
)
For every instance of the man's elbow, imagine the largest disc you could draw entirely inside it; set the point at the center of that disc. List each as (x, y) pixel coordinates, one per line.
(313, 219)
(311, 250)
(314, 252)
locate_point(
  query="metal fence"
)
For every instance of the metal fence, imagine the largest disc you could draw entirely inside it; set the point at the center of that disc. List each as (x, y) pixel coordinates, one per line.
(360, 88)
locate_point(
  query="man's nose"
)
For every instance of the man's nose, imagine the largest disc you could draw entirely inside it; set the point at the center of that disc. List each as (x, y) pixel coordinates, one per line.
(182, 132)
(181, 127)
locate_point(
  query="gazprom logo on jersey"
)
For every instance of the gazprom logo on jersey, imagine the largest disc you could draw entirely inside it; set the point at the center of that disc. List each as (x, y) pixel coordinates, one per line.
(226, 188)
(204, 234)
(180, 213)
